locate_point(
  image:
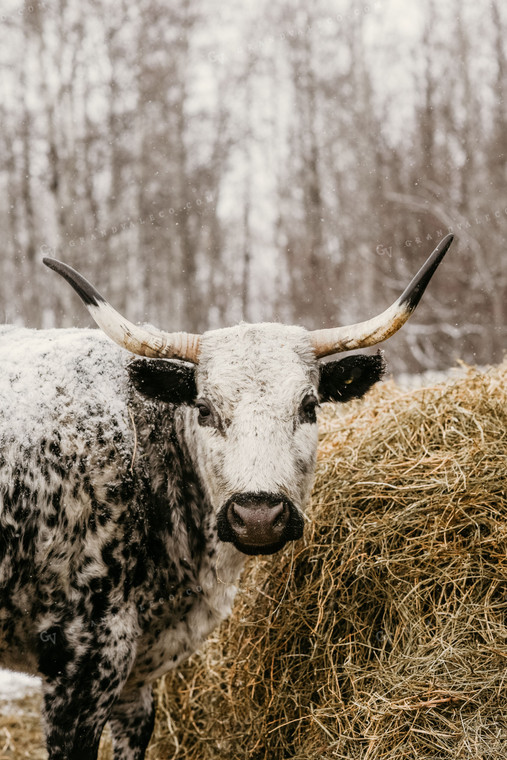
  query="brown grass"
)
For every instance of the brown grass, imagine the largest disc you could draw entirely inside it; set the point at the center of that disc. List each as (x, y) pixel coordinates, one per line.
(384, 635)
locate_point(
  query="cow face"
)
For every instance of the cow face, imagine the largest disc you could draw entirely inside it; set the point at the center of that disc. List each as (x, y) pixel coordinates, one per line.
(253, 423)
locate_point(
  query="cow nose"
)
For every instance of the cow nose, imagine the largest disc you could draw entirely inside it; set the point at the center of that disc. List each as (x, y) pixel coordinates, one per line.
(258, 523)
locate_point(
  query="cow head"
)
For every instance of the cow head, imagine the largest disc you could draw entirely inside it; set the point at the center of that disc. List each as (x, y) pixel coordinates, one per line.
(254, 396)
(253, 392)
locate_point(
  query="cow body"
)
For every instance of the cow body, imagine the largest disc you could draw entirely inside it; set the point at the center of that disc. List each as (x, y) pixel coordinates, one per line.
(131, 491)
(105, 530)
(111, 567)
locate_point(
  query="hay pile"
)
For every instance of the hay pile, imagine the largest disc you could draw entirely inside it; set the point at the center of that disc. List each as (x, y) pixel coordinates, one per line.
(384, 635)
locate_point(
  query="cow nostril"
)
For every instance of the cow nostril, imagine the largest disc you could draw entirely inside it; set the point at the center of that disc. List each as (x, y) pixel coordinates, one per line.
(235, 518)
(280, 518)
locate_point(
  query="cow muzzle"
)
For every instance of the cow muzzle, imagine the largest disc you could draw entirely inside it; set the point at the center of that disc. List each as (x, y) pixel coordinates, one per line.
(259, 523)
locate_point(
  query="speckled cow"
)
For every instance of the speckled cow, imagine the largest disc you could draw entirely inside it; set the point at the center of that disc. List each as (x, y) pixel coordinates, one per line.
(131, 491)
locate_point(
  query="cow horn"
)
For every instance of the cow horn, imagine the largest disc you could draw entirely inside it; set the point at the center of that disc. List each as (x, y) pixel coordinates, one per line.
(139, 340)
(362, 334)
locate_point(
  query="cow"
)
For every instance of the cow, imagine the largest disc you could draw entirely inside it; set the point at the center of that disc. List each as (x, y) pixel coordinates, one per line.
(133, 485)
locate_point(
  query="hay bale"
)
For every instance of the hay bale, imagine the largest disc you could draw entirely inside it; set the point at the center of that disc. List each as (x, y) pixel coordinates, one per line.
(384, 634)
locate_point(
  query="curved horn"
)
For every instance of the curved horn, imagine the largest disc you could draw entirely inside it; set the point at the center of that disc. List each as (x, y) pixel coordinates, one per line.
(139, 340)
(379, 328)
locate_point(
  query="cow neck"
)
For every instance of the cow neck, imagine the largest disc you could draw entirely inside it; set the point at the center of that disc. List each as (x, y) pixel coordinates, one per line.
(174, 505)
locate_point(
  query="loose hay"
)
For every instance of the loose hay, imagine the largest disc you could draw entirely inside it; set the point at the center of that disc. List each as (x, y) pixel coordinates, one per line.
(21, 735)
(384, 635)
(20, 730)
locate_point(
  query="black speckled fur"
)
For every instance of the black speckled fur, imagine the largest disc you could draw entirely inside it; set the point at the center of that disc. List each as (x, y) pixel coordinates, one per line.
(105, 533)
(77, 616)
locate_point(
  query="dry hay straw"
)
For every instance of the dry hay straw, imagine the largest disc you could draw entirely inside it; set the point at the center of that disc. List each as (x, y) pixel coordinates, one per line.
(384, 634)
(21, 735)
(20, 729)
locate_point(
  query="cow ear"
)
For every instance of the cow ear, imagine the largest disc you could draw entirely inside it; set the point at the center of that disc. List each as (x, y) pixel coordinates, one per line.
(350, 377)
(164, 380)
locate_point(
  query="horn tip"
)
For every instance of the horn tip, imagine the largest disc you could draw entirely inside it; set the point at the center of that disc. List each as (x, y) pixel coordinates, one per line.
(413, 293)
(83, 288)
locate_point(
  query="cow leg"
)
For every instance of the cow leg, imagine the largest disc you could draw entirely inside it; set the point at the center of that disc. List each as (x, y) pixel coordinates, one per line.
(72, 730)
(81, 684)
(131, 721)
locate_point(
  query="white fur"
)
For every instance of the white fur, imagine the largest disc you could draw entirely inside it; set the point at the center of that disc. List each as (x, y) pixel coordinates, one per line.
(256, 377)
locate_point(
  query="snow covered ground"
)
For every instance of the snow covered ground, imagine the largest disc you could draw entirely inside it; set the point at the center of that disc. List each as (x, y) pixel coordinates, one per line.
(16, 685)
(430, 377)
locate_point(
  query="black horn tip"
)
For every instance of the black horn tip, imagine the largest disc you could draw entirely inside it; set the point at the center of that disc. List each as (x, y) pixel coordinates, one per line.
(412, 294)
(83, 288)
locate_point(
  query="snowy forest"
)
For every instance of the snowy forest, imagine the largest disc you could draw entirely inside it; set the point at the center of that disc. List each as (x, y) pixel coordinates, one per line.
(204, 163)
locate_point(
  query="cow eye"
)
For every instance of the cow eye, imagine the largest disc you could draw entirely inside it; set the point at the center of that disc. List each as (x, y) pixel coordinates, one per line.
(308, 409)
(204, 412)
(203, 409)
